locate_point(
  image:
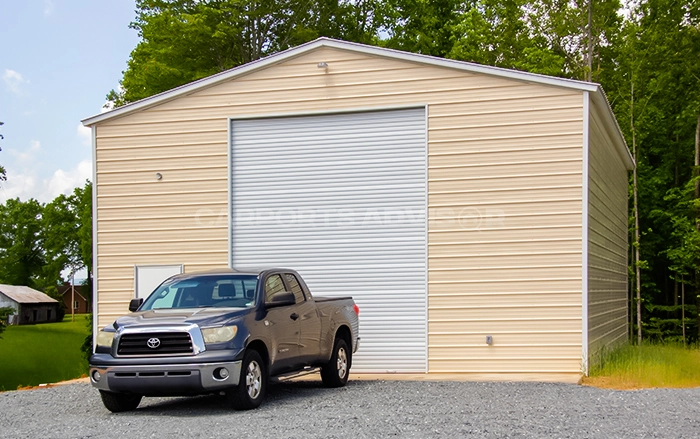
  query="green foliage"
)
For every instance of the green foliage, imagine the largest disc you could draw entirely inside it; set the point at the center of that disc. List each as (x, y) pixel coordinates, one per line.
(46, 353)
(86, 347)
(5, 312)
(38, 242)
(21, 242)
(185, 40)
(648, 365)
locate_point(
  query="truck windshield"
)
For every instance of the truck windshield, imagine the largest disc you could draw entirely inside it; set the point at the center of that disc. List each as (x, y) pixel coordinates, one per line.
(221, 291)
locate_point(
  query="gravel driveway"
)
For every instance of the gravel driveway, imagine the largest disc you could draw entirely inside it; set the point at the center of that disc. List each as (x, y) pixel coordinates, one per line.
(364, 409)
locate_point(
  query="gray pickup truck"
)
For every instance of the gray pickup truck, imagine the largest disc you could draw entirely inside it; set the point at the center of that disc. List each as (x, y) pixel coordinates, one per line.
(226, 332)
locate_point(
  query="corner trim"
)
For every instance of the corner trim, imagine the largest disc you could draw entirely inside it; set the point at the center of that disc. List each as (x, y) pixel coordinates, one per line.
(584, 232)
(95, 303)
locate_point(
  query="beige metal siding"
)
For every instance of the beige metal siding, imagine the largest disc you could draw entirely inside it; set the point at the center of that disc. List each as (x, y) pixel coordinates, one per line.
(504, 185)
(607, 240)
(505, 234)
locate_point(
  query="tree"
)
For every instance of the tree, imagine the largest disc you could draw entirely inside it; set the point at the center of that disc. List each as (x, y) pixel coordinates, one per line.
(22, 256)
(39, 242)
(185, 40)
(5, 312)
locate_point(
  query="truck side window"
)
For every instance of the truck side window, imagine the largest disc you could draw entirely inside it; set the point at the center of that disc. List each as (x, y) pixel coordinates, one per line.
(296, 288)
(273, 285)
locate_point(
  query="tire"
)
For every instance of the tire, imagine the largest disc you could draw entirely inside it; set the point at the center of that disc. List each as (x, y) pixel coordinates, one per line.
(252, 384)
(336, 372)
(120, 402)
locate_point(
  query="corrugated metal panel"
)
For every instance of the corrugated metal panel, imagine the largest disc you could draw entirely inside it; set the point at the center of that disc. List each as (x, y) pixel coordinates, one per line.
(342, 199)
(607, 241)
(23, 294)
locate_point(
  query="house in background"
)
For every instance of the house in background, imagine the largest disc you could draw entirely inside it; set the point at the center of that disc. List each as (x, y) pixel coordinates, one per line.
(80, 305)
(31, 306)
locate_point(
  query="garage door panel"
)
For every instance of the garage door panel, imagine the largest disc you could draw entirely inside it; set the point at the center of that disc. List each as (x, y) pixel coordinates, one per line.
(342, 199)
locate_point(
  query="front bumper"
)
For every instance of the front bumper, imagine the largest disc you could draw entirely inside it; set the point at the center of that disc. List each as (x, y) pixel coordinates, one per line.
(165, 379)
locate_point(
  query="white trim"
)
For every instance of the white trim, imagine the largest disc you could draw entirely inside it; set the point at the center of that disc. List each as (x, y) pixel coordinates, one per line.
(427, 247)
(95, 303)
(584, 233)
(229, 176)
(326, 112)
(343, 45)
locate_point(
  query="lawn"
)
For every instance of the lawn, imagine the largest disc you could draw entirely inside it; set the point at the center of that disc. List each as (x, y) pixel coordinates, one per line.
(45, 353)
(646, 366)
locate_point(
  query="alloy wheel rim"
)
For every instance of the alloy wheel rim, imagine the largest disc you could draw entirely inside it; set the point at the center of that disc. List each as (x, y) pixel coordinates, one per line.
(253, 379)
(342, 363)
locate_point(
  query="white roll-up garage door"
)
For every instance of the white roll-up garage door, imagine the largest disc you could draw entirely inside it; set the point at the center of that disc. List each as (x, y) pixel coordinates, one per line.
(342, 199)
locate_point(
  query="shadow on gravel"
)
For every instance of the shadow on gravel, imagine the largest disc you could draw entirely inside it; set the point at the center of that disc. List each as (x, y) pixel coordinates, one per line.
(278, 394)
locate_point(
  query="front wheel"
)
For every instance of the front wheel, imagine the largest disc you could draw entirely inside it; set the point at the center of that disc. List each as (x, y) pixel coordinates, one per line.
(120, 402)
(252, 384)
(335, 373)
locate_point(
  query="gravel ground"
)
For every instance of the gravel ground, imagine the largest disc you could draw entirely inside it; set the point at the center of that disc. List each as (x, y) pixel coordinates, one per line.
(364, 409)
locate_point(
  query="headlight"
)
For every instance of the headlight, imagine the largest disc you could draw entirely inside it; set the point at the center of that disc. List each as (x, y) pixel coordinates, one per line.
(220, 334)
(105, 339)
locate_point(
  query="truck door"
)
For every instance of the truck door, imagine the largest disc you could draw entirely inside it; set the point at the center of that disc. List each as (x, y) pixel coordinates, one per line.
(309, 323)
(283, 324)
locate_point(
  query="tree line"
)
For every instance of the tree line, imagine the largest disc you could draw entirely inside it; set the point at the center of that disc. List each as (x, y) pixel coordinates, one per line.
(41, 242)
(645, 53)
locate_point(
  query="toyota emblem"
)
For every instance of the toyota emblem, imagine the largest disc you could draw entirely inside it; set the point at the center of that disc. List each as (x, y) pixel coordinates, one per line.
(153, 343)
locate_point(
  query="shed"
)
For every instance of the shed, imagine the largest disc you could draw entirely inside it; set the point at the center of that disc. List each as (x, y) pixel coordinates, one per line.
(31, 306)
(477, 215)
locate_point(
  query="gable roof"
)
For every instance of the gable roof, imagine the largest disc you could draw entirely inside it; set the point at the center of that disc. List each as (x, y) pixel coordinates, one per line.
(78, 289)
(597, 93)
(22, 294)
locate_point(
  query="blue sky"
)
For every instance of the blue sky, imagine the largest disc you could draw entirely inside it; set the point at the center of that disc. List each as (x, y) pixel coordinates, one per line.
(58, 60)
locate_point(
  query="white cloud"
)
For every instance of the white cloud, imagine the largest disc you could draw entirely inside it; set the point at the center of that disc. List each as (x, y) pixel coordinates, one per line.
(63, 182)
(14, 81)
(28, 184)
(85, 134)
(48, 7)
(28, 155)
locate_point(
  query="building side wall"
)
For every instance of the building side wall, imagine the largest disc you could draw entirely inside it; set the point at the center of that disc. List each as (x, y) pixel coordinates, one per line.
(6, 302)
(607, 241)
(504, 196)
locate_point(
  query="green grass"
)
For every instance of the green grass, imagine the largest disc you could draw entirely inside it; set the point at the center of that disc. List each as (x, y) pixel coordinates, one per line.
(646, 366)
(45, 353)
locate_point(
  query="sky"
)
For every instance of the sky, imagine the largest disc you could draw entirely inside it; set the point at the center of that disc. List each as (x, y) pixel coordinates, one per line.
(58, 61)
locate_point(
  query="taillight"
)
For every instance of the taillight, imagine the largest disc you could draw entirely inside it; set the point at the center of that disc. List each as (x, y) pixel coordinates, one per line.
(356, 309)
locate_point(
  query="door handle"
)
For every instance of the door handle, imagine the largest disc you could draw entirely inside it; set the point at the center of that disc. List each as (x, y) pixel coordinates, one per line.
(294, 316)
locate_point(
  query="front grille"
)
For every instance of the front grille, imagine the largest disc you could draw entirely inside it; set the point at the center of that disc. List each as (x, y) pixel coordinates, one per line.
(166, 343)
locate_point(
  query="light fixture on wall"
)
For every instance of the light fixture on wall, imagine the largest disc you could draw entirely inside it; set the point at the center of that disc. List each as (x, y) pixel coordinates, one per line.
(322, 65)
(159, 176)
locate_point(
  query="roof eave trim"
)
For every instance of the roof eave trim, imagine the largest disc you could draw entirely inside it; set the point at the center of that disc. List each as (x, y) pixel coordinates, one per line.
(614, 129)
(343, 45)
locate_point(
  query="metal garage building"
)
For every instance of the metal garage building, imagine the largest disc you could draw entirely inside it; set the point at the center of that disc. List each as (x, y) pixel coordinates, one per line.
(457, 203)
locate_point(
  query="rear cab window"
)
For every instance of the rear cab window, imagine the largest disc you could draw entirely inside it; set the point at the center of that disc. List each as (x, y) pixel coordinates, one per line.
(295, 287)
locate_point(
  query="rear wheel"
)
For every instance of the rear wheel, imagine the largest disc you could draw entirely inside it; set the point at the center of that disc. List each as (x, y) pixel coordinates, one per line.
(335, 373)
(252, 384)
(120, 402)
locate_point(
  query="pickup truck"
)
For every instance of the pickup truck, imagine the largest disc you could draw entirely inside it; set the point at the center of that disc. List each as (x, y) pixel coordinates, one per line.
(227, 331)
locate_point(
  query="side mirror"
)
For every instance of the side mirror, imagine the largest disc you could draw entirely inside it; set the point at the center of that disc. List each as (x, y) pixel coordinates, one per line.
(134, 304)
(283, 298)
